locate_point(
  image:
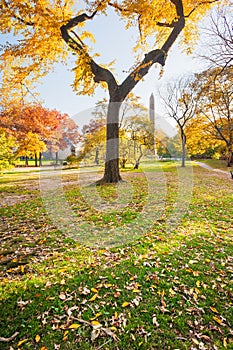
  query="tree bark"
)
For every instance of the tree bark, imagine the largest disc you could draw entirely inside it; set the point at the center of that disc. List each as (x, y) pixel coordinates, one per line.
(40, 159)
(26, 161)
(56, 155)
(111, 171)
(36, 160)
(97, 156)
(183, 137)
(229, 155)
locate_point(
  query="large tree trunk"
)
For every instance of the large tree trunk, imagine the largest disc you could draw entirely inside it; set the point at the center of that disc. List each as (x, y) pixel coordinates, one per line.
(112, 172)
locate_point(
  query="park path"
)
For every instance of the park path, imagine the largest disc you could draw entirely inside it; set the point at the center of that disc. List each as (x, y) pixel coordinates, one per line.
(208, 167)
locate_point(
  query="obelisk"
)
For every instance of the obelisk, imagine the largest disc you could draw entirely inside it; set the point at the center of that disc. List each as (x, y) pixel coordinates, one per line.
(152, 120)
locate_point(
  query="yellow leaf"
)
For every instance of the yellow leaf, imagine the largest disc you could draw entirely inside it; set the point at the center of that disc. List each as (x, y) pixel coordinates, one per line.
(37, 338)
(94, 290)
(218, 320)
(198, 284)
(225, 343)
(43, 348)
(214, 310)
(21, 342)
(96, 316)
(74, 326)
(93, 298)
(125, 303)
(96, 324)
(196, 273)
(136, 291)
(65, 334)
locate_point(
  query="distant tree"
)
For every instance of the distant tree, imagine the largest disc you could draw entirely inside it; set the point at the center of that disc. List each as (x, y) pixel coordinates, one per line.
(30, 146)
(20, 119)
(93, 137)
(7, 146)
(217, 42)
(202, 140)
(140, 137)
(65, 135)
(178, 99)
(214, 93)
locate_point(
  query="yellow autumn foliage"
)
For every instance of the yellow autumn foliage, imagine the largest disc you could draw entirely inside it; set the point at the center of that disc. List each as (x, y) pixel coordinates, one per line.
(34, 29)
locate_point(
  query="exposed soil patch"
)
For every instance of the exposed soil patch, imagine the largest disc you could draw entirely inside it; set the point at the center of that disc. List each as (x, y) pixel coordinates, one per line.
(11, 199)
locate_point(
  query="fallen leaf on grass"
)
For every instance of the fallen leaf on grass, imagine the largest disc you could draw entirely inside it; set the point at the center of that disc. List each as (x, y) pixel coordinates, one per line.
(62, 296)
(95, 334)
(96, 324)
(21, 342)
(93, 298)
(218, 320)
(214, 310)
(125, 304)
(96, 316)
(37, 338)
(154, 321)
(74, 326)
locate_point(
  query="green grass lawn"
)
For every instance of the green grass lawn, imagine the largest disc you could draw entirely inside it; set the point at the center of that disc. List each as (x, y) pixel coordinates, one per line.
(169, 287)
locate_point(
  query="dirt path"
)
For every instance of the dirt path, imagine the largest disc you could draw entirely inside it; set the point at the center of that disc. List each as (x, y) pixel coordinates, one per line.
(208, 167)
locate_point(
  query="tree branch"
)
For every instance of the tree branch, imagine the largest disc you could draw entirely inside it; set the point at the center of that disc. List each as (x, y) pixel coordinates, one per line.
(100, 73)
(155, 56)
(28, 23)
(201, 3)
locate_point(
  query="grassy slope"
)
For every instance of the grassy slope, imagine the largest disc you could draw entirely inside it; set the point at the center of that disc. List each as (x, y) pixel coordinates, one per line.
(166, 290)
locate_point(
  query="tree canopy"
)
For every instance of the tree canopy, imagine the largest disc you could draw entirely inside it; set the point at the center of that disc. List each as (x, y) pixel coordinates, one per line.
(36, 26)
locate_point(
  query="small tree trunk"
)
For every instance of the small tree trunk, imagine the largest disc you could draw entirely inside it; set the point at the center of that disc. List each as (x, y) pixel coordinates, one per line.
(40, 159)
(123, 162)
(97, 156)
(36, 160)
(56, 155)
(111, 171)
(139, 158)
(26, 161)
